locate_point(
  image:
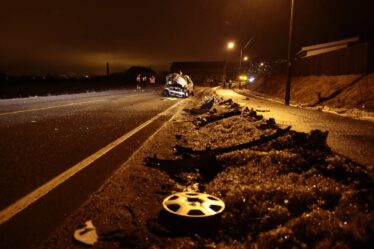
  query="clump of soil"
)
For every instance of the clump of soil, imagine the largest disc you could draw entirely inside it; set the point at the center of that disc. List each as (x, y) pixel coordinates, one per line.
(282, 189)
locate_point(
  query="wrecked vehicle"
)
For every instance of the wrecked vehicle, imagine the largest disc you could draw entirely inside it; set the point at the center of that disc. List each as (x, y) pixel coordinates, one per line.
(178, 85)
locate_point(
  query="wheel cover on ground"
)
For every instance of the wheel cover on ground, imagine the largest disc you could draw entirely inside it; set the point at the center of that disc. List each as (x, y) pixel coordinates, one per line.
(189, 204)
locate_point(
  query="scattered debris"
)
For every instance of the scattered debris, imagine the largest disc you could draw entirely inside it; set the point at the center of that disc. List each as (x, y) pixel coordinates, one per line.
(214, 110)
(195, 111)
(212, 118)
(86, 235)
(226, 102)
(187, 170)
(208, 103)
(281, 188)
(251, 114)
(271, 121)
(195, 187)
(204, 107)
(270, 124)
(263, 139)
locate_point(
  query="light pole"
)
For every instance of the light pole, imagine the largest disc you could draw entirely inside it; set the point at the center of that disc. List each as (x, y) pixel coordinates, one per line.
(241, 52)
(230, 46)
(289, 62)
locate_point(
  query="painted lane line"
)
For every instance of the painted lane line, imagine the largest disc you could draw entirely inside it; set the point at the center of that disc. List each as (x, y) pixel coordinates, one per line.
(49, 107)
(13, 209)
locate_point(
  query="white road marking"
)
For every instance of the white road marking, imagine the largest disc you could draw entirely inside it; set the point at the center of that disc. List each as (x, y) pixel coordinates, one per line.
(13, 209)
(48, 107)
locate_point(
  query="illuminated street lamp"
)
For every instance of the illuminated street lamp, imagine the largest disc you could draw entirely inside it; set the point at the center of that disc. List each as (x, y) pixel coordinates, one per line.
(245, 58)
(230, 45)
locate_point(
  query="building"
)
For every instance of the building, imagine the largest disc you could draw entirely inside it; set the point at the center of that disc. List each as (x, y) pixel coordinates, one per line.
(348, 56)
(201, 71)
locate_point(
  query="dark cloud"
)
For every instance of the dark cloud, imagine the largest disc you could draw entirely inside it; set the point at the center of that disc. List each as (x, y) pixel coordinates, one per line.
(74, 36)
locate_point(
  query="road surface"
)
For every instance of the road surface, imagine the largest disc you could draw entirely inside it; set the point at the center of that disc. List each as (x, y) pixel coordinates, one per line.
(43, 137)
(349, 137)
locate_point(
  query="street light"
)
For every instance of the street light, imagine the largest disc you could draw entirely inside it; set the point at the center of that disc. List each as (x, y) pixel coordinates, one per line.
(230, 45)
(241, 52)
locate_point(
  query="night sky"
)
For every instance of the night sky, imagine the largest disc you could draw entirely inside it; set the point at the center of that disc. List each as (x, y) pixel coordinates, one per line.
(80, 36)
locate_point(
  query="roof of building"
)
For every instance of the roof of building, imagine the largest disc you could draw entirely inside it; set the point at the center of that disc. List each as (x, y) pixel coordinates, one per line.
(325, 47)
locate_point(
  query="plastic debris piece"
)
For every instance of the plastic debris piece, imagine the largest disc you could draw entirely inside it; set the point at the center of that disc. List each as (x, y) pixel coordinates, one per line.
(216, 117)
(86, 235)
(208, 103)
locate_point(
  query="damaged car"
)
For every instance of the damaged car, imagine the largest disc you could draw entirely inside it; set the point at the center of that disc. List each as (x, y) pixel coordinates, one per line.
(178, 85)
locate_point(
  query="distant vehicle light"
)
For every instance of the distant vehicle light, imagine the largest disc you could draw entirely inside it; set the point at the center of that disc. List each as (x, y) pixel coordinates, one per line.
(243, 77)
(251, 79)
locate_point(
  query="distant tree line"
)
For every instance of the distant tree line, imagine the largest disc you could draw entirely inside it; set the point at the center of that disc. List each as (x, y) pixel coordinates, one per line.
(35, 85)
(3, 77)
(129, 76)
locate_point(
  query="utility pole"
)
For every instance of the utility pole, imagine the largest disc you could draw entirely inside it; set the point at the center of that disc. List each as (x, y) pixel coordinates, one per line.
(107, 70)
(241, 52)
(289, 62)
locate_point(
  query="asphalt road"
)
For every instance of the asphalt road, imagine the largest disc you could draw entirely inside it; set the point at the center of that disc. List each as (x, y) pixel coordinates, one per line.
(347, 136)
(42, 137)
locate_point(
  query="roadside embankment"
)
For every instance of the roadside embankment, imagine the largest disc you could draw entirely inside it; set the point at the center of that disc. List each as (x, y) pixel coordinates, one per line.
(352, 95)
